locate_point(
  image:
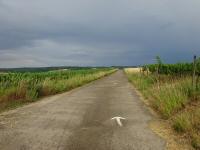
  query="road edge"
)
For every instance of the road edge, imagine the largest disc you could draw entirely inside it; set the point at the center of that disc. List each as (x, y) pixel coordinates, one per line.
(161, 127)
(51, 97)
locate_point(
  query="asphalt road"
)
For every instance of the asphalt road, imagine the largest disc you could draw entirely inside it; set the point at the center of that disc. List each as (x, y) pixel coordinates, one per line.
(81, 120)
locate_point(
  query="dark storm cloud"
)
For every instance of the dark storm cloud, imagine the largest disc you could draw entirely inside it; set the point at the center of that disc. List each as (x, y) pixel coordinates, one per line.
(111, 32)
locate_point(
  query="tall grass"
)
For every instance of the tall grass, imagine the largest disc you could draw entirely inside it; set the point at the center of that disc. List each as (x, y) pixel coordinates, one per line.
(172, 97)
(168, 96)
(141, 82)
(18, 88)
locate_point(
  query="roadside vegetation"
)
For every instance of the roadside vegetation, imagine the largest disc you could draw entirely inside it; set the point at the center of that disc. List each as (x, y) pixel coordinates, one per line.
(174, 92)
(20, 88)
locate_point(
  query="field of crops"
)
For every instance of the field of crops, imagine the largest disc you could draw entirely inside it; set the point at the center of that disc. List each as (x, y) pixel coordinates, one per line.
(173, 69)
(19, 88)
(169, 89)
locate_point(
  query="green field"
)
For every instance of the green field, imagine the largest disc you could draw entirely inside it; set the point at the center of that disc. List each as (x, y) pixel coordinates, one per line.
(25, 87)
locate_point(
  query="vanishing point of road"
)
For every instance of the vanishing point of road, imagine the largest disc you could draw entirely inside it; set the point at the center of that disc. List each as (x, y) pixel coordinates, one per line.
(81, 120)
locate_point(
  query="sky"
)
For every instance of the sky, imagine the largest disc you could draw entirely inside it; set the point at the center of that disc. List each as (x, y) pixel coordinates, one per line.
(38, 33)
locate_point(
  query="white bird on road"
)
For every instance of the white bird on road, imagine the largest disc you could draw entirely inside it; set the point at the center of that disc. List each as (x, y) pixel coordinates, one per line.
(118, 119)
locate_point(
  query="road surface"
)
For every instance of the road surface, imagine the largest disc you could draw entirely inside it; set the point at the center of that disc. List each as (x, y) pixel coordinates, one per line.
(81, 120)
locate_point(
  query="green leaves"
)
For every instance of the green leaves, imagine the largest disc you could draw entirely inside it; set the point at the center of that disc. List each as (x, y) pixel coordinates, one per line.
(170, 69)
(173, 69)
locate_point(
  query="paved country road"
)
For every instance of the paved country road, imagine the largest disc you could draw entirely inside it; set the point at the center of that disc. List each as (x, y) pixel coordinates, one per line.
(81, 120)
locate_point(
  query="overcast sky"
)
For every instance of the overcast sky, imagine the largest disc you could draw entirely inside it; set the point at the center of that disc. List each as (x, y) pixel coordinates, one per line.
(97, 32)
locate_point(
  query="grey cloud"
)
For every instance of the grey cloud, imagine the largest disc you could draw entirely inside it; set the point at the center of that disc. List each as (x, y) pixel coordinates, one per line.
(108, 32)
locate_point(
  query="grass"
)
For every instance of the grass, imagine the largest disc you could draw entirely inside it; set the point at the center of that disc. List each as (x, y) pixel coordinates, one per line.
(167, 96)
(172, 97)
(21, 88)
(182, 123)
(188, 123)
(143, 83)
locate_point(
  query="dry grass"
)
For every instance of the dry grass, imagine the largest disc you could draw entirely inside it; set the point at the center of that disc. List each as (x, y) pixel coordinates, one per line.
(188, 123)
(133, 70)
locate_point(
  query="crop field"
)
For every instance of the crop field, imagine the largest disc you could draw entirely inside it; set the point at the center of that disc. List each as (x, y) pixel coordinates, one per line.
(134, 70)
(24, 87)
(173, 90)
